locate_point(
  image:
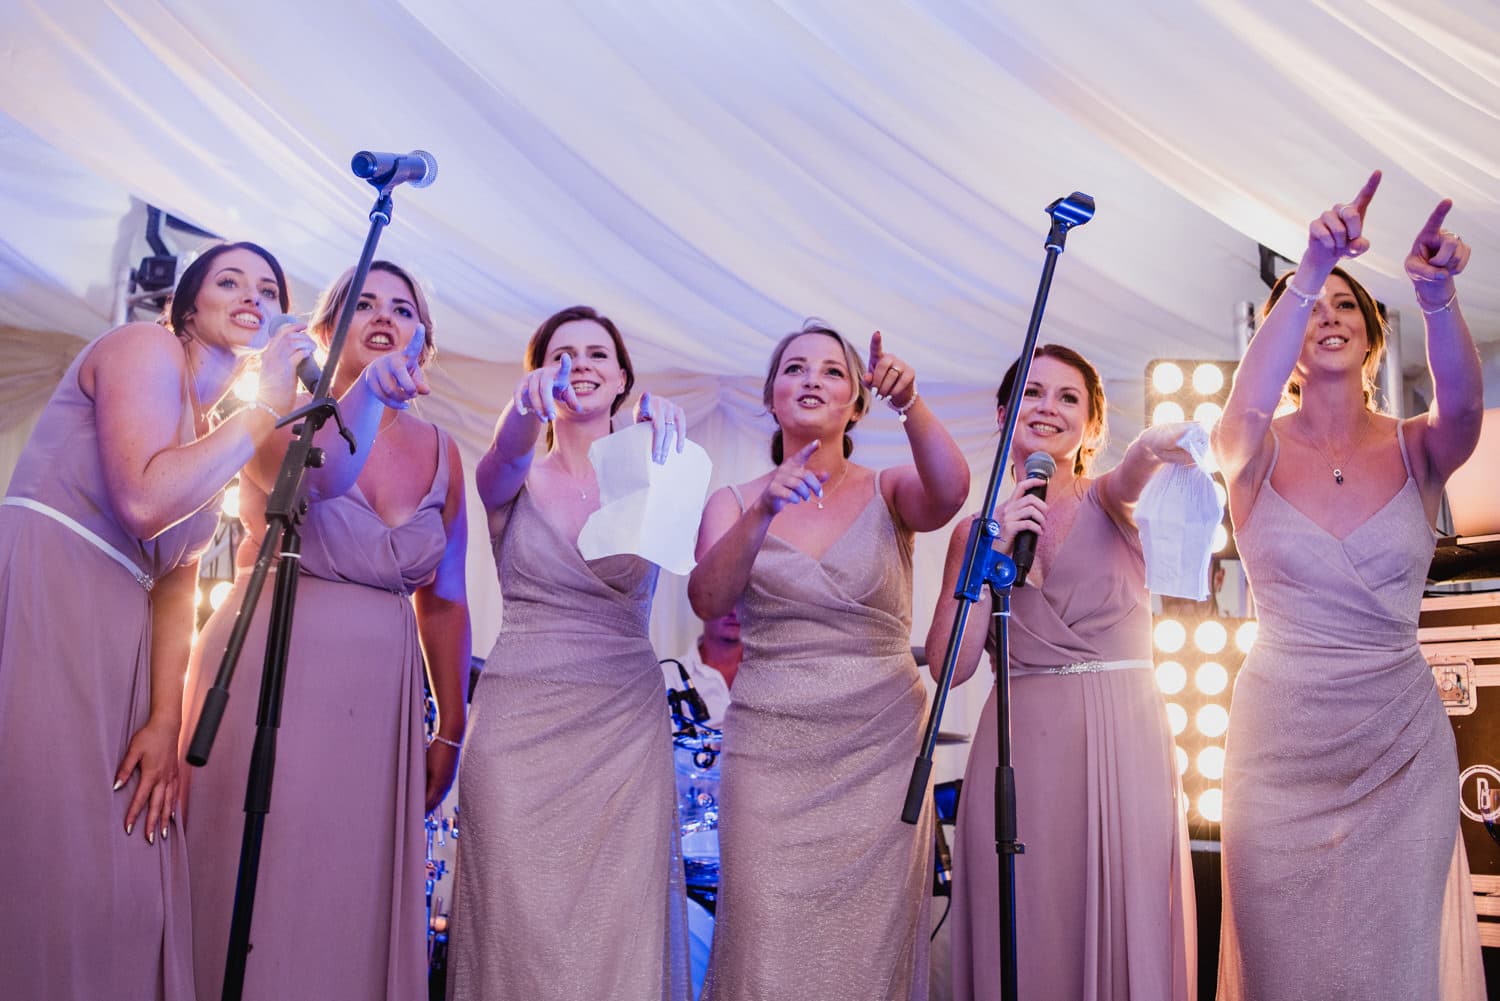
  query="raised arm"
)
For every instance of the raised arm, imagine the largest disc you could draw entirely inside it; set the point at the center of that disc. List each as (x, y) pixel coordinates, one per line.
(1240, 435)
(926, 494)
(1153, 448)
(389, 382)
(503, 468)
(136, 377)
(728, 539)
(1437, 257)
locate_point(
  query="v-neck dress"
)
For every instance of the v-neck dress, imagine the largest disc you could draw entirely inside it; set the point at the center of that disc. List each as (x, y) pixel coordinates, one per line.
(569, 873)
(85, 911)
(340, 909)
(823, 891)
(1104, 890)
(1344, 873)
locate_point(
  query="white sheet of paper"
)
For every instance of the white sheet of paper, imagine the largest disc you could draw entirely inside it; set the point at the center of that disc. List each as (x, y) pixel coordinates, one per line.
(647, 509)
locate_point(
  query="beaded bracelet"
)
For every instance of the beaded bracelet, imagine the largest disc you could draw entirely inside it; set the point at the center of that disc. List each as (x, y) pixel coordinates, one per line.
(1307, 300)
(438, 738)
(260, 404)
(1446, 307)
(903, 408)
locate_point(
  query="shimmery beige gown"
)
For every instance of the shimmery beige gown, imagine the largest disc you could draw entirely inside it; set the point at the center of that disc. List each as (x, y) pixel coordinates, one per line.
(570, 880)
(824, 892)
(1344, 876)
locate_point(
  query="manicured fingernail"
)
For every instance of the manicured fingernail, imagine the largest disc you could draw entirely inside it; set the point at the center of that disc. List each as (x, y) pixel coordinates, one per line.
(149, 839)
(522, 411)
(128, 828)
(164, 833)
(119, 784)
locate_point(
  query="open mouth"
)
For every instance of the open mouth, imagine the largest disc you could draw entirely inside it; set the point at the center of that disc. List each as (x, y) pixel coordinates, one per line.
(381, 340)
(810, 401)
(582, 387)
(1043, 428)
(1333, 341)
(247, 318)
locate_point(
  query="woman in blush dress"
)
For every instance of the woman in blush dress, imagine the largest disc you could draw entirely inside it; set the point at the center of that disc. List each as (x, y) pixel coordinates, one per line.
(1104, 891)
(1344, 872)
(340, 910)
(107, 511)
(824, 890)
(570, 881)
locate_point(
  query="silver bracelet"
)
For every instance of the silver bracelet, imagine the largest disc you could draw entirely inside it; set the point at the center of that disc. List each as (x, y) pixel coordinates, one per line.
(260, 404)
(438, 738)
(1446, 307)
(1307, 300)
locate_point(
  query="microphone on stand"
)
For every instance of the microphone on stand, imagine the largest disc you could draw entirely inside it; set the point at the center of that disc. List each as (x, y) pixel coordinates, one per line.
(1039, 465)
(688, 698)
(308, 372)
(386, 170)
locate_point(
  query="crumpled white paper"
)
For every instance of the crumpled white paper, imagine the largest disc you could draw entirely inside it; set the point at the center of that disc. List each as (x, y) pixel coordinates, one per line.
(646, 509)
(1177, 514)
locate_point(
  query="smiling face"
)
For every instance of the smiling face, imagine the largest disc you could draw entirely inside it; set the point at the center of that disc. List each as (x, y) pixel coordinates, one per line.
(1055, 415)
(598, 378)
(813, 388)
(239, 291)
(1337, 339)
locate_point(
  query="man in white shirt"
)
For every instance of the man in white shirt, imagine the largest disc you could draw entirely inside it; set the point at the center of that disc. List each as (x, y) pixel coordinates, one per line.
(711, 666)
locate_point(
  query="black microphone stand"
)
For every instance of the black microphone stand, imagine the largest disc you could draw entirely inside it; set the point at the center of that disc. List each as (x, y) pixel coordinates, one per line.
(984, 565)
(285, 509)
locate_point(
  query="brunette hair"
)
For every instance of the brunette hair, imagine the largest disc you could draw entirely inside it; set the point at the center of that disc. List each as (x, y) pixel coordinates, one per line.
(184, 298)
(536, 349)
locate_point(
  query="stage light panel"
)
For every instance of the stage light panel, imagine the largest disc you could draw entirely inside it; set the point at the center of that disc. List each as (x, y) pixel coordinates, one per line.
(1211, 678)
(1171, 677)
(1211, 805)
(1169, 635)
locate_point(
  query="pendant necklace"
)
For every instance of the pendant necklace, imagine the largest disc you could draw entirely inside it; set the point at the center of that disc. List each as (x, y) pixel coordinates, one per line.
(827, 493)
(1338, 467)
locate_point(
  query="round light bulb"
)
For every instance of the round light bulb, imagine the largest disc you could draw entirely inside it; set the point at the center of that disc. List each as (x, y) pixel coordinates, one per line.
(1208, 378)
(1213, 720)
(1207, 414)
(1176, 717)
(1167, 412)
(1182, 761)
(1210, 636)
(1171, 677)
(1211, 678)
(218, 593)
(1169, 635)
(1211, 762)
(1167, 377)
(1211, 805)
(1244, 636)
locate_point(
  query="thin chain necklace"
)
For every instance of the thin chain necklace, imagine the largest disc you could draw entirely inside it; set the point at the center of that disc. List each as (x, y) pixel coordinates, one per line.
(829, 492)
(1338, 467)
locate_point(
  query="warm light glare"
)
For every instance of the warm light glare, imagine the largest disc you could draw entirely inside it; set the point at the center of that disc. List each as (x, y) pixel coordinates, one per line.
(1207, 414)
(1285, 408)
(1221, 493)
(1167, 412)
(1169, 635)
(1213, 720)
(1208, 378)
(218, 593)
(1167, 377)
(1211, 678)
(1182, 761)
(1177, 717)
(1211, 805)
(199, 597)
(232, 501)
(246, 386)
(1220, 539)
(1211, 762)
(1210, 636)
(1171, 677)
(1244, 636)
